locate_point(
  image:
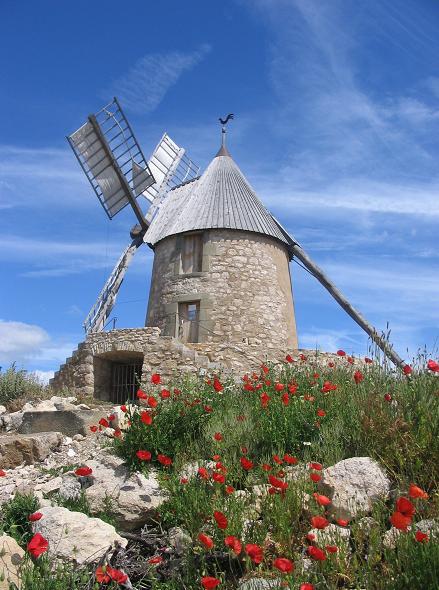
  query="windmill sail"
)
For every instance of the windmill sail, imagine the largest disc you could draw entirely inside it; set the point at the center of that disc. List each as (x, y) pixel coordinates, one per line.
(100, 312)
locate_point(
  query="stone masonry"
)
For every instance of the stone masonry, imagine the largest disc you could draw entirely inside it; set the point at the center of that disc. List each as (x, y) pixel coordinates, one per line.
(244, 290)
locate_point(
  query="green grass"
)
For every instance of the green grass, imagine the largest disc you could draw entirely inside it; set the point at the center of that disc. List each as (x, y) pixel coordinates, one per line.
(402, 435)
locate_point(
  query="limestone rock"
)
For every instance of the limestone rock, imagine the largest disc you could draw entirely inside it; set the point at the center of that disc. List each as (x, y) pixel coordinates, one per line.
(70, 488)
(179, 540)
(2, 410)
(261, 584)
(11, 556)
(16, 449)
(11, 421)
(132, 498)
(430, 527)
(69, 422)
(332, 535)
(73, 536)
(354, 485)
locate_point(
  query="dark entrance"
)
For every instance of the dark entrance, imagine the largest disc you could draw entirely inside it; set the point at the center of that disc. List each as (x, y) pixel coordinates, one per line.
(125, 381)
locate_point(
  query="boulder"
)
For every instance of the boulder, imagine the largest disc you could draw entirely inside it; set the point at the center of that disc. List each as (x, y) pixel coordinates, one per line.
(11, 556)
(16, 449)
(11, 421)
(2, 410)
(260, 584)
(75, 537)
(133, 498)
(354, 485)
(69, 422)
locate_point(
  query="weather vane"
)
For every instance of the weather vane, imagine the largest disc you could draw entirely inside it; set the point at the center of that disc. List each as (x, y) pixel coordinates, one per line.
(223, 126)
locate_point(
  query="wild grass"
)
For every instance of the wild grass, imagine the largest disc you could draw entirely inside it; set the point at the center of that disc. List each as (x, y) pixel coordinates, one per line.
(18, 384)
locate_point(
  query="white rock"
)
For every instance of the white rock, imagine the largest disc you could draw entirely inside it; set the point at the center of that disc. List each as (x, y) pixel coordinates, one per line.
(73, 536)
(332, 535)
(49, 487)
(354, 485)
(180, 540)
(11, 556)
(70, 488)
(133, 498)
(71, 453)
(260, 584)
(2, 410)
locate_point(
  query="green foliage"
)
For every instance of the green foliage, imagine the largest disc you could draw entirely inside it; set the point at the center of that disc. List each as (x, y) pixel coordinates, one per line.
(14, 517)
(18, 383)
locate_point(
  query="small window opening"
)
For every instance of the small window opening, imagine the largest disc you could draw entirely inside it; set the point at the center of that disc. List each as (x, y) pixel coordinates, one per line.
(125, 380)
(192, 253)
(189, 320)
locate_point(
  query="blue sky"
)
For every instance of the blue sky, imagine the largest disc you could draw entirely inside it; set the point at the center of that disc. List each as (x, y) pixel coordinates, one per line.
(337, 127)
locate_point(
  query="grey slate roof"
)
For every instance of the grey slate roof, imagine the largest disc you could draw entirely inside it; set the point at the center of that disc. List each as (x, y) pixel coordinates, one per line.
(220, 198)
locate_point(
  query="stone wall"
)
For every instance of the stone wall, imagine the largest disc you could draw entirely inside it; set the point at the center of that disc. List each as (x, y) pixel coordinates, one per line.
(244, 290)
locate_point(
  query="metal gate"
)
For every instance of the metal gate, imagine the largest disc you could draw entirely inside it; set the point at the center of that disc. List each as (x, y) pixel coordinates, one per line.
(125, 381)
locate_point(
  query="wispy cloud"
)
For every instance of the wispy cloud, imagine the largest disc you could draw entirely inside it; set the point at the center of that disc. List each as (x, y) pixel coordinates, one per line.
(143, 88)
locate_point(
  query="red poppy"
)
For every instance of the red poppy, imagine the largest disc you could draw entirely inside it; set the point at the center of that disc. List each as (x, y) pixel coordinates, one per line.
(117, 575)
(255, 552)
(368, 360)
(184, 480)
(117, 433)
(415, 492)
(103, 422)
(93, 428)
(303, 357)
(316, 466)
(111, 417)
(328, 386)
(321, 413)
(216, 457)
(350, 360)
(331, 548)
(433, 366)
(218, 478)
(307, 586)
(101, 575)
(37, 545)
(290, 459)
(123, 408)
(316, 553)
(34, 517)
(234, 543)
(221, 519)
(311, 537)
(315, 477)
(152, 402)
(208, 409)
(265, 398)
(208, 582)
(177, 391)
(217, 385)
(284, 565)
(144, 455)
(322, 500)
(230, 489)
(285, 399)
(400, 521)
(84, 471)
(218, 436)
(342, 522)
(277, 483)
(407, 370)
(206, 540)
(266, 467)
(404, 506)
(421, 537)
(2, 473)
(164, 460)
(155, 378)
(265, 369)
(277, 459)
(155, 560)
(358, 377)
(146, 418)
(289, 358)
(387, 397)
(331, 364)
(141, 394)
(341, 353)
(292, 387)
(246, 463)
(203, 473)
(279, 386)
(319, 522)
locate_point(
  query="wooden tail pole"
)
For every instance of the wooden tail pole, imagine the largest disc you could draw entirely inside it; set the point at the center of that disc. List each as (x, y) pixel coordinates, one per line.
(341, 299)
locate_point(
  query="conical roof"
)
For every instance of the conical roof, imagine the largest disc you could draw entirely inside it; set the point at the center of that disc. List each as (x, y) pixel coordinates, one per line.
(220, 198)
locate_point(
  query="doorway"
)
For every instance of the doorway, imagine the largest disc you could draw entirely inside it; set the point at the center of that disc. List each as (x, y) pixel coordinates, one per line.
(125, 380)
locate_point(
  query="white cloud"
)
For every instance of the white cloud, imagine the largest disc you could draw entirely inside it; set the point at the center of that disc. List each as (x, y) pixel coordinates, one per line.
(43, 376)
(24, 343)
(144, 86)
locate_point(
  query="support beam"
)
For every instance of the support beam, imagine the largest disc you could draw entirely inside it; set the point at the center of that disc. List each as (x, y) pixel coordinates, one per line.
(317, 272)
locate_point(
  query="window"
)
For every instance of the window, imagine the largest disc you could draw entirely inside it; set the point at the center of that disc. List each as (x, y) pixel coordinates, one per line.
(189, 314)
(192, 253)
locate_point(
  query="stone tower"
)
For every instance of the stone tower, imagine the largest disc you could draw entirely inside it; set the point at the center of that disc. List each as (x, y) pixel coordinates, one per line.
(221, 272)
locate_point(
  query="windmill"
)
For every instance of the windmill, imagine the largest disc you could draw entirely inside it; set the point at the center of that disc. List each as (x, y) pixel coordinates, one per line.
(114, 163)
